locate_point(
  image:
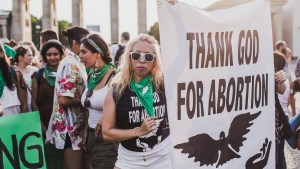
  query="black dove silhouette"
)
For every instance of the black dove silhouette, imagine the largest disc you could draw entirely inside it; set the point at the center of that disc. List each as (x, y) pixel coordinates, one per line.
(208, 151)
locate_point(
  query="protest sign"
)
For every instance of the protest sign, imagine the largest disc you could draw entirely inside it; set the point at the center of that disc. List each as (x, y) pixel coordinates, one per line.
(219, 80)
(21, 143)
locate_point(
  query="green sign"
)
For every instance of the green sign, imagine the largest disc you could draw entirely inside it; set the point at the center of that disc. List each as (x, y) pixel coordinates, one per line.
(21, 142)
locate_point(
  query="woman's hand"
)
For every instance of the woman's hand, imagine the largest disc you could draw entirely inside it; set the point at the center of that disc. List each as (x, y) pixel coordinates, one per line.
(98, 128)
(280, 76)
(148, 125)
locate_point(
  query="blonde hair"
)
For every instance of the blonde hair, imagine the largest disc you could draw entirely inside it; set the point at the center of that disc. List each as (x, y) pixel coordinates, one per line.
(123, 78)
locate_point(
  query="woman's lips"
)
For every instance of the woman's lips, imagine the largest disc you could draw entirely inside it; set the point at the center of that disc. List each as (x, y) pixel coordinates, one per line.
(141, 68)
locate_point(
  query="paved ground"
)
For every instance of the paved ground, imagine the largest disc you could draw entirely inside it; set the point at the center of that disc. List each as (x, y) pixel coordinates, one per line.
(292, 157)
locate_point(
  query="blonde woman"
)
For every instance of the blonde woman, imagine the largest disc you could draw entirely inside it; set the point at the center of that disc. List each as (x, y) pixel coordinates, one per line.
(135, 109)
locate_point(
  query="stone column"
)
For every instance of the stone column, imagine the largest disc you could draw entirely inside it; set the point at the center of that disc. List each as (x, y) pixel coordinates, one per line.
(4, 31)
(142, 16)
(49, 20)
(21, 21)
(277, 26)
(114, 21)
(77, 13)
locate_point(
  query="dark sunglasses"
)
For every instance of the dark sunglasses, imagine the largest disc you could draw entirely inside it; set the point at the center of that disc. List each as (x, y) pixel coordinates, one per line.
(87, 102)
(136, 56)
(52, 54)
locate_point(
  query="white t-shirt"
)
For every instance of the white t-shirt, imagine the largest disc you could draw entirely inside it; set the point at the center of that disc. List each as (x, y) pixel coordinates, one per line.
(284, 98)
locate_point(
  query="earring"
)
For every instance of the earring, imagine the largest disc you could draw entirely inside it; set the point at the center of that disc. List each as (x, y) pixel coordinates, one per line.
(96, 65)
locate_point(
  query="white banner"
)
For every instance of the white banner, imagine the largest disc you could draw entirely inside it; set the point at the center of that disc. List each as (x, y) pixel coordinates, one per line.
(219, 81)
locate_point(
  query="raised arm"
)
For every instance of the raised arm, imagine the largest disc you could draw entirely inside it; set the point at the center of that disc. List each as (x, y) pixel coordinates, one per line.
(109, 130)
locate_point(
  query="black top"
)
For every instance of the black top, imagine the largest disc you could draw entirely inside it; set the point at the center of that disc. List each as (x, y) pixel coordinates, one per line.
(131, 113)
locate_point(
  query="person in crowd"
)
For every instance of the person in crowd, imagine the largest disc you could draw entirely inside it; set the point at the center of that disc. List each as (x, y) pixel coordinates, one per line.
(43, 94)
(280, 45)
(144, 138)
(283, 129)
(288, 56)
(68, 116)
(35, 53)
(118, 49)
(44, 79)
(13, 94)
(46, 35)
(23, 61)
(95, 55)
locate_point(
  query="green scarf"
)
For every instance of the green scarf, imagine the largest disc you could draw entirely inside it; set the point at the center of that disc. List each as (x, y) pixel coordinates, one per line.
(2, 83)
(96, 76)
(50, 75)
(144, 91)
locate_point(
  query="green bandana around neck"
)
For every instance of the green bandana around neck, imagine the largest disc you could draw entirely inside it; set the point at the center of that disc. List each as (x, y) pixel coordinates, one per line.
(2, 83)
(144, 91)
(50, 75)
(96, 76)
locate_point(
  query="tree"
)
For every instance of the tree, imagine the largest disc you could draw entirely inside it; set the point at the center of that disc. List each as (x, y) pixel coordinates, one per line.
(63, 25)
(154, 31)
(35, 30)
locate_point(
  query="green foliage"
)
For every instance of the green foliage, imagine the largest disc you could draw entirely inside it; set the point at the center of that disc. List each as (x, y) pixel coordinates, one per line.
(154, 31)
(63, 25)
(35, 30)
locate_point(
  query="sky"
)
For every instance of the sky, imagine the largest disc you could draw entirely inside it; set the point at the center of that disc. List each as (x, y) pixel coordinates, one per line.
(97, 12)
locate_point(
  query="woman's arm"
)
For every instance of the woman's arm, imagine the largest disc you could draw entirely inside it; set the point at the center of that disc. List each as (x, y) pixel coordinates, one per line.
(22, 92)
(109, 130)
(34, 95)
(66, 101)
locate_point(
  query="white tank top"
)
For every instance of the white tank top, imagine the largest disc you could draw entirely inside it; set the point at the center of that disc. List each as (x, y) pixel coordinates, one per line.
(97, 102)
(9, 98)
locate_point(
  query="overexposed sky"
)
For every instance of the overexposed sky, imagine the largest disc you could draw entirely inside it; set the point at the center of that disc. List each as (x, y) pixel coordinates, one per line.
(97, 12)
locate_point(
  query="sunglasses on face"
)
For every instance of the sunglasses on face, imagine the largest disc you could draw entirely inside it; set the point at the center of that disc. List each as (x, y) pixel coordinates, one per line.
(52, 54)
(87, 102)
(136, 56)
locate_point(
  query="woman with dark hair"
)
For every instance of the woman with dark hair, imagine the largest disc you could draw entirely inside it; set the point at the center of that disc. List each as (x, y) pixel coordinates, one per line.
(23, 61)
(96, 56)
(135, 109)
(43, 81)
(43, 95)
(13, 95)
(68, 116)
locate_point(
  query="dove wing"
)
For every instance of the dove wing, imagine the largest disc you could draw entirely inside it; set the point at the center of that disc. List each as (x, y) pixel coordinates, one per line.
(202, 147)
(240, 127)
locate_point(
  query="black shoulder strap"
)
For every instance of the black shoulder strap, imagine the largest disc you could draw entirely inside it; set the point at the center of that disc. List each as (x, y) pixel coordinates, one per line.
(110, 77)
(39, 75)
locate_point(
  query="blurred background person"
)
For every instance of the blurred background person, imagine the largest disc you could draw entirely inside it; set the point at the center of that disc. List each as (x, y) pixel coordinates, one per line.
(23, 61)
(13, 94)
